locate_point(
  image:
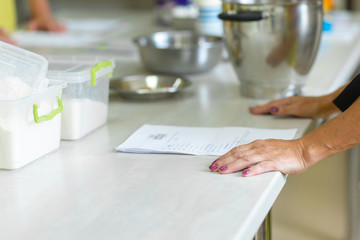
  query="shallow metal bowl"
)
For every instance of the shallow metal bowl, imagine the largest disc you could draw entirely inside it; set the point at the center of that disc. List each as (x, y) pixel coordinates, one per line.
(145, 87)
(179, 52)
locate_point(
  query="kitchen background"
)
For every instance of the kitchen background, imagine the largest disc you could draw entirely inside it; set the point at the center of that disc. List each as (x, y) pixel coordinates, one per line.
(341, 4)
(57, 5)
(313, 205)
(145, 4)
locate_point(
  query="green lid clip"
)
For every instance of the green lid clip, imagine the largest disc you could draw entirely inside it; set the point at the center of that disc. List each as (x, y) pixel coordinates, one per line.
(97, 68)
(53, 113)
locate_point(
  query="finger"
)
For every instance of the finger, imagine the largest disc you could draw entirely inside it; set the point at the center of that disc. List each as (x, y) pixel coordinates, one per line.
(240, 164)
(275, 107)
(214, 166)
(284, 110)
(294, 109)
(8, 40)
(56, 27)
(261, 167)
(61, 27)
(239, 159)
(291, 110)
(270, 107)
(3, 32)
(261, 109)
(286, 107)
(32, 26)
(232, 155)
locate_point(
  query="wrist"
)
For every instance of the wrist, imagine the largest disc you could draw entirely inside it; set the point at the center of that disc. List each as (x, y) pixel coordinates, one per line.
(313, 148)
(326, 105)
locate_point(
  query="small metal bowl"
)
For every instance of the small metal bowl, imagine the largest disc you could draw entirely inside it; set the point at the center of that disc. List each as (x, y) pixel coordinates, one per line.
(179, 52)
(148, 87)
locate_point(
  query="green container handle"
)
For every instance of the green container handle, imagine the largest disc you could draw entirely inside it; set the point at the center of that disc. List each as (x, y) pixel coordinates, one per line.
(97, 68)
(38, 119)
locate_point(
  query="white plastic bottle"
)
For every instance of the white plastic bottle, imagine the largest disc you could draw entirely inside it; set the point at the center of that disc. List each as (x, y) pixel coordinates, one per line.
(208, 21)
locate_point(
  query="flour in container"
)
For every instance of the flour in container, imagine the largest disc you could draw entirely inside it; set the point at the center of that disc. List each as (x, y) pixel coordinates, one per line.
(22, 140)
(19, 147)
(12, 88)
(81, 116)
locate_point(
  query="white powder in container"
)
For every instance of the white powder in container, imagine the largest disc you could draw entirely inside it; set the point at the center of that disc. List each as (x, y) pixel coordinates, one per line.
(81, 116)
(22, 140)
(12, 88)
(18, 148)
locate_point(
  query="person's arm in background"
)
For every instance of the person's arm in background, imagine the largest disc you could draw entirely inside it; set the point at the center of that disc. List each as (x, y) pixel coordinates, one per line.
(5, 37)
(42, 18)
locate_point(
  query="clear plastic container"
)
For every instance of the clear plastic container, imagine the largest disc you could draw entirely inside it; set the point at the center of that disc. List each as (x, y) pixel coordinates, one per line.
(21, 65)
(86, 96)
(30, 127)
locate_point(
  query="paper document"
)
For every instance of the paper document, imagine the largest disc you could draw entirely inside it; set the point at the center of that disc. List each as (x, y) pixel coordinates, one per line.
(80, 33)
(196, 140)
(49, 39)
(94, 25)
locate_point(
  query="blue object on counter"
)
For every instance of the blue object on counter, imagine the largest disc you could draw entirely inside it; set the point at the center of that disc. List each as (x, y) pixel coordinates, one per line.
(183, 2)
(327, 25)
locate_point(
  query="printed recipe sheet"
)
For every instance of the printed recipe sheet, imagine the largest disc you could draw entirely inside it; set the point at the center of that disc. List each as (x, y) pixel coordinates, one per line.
(196, 140)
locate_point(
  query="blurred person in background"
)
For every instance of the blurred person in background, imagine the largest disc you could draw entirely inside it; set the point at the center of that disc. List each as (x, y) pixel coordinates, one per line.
(41, 18)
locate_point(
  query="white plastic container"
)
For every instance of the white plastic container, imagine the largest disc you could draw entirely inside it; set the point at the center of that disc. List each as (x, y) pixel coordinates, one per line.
(30, 127)
(208, 22)
(86, 96)
(22, 65)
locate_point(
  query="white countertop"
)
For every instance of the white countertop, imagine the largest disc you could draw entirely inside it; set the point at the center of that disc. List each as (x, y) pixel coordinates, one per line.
(87, 190)
(338, 57)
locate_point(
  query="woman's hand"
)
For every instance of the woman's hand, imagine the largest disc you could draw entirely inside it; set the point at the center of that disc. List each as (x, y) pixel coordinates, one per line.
(295, 156)
(48, 24)
(298, 106)
(262, 156)
(42, 18)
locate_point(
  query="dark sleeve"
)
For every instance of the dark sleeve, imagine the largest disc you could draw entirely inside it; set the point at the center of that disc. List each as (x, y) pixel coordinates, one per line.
(349, 95)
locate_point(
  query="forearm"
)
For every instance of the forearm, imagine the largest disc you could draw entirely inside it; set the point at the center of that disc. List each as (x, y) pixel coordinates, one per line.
(40, 8)
(326, 104)
(339, 134)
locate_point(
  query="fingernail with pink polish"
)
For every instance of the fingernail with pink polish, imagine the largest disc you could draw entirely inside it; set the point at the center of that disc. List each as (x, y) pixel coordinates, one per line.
(274, 109)
(223, 168)
(246, 172)
(213, 166)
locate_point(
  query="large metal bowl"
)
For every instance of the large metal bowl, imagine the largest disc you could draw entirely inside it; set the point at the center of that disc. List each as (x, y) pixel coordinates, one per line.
(148, 87)
(179, 52)
(272, 44)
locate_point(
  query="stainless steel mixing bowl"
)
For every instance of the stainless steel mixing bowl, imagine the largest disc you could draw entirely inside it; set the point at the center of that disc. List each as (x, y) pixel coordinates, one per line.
(272, 44)
(179, 52)
(148, 87)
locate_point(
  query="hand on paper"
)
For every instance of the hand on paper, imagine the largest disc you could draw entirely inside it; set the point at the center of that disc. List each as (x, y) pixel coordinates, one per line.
(298, 106)
(294, 156)
(262, 156)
